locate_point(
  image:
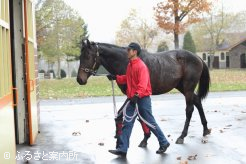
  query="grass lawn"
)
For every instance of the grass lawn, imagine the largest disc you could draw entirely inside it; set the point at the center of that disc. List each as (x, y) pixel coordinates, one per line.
(221, 80)
(69, 88)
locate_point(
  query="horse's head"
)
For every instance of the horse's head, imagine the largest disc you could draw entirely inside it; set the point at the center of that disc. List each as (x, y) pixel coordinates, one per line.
(89, 61)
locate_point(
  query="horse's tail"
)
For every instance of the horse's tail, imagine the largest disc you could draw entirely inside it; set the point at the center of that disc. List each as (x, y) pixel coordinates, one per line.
(204, 82)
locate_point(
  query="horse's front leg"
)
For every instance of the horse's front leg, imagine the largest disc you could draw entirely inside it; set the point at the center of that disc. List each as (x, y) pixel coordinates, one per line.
(189, 111)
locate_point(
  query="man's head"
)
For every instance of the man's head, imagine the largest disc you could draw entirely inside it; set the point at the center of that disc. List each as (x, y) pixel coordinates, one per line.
(133, 50)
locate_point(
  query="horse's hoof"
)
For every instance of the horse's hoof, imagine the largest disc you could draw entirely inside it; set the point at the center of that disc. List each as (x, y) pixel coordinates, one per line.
(143, 144)
(206, 132)
(180, 141)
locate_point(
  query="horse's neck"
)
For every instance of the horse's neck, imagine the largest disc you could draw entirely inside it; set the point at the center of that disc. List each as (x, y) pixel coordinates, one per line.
(114, 61)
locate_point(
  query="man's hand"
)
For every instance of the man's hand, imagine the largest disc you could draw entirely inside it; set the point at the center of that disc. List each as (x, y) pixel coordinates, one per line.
(111, 77)
(134, 99)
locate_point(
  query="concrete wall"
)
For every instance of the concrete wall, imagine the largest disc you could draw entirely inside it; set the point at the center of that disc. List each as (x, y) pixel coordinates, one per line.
(222, 62)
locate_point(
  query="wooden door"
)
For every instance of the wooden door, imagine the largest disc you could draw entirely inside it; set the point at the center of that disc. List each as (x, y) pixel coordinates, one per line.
(227, 62)
(216, 62)
(243, 61)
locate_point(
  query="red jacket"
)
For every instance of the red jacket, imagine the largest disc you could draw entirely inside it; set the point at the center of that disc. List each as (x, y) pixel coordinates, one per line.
(137, 79)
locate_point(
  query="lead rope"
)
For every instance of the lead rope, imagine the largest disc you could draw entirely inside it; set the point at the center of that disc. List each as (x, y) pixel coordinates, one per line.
(115, 109)
(130, 118)
(125, 116)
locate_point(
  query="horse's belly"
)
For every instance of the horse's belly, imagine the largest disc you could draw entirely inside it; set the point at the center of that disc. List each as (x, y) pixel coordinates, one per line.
(159, 91)
(161, 87)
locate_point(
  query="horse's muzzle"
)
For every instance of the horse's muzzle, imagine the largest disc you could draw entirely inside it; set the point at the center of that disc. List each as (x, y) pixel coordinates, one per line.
(81, 82)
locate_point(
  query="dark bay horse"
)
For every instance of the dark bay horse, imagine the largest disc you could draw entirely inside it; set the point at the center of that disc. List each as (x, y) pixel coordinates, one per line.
(178, 69)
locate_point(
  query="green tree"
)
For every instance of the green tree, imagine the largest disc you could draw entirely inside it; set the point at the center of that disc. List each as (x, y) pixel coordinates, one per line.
(162, 47)
(59, 31)
(189, 43)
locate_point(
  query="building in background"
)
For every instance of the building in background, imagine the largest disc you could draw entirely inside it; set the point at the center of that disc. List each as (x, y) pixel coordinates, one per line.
(231, 53)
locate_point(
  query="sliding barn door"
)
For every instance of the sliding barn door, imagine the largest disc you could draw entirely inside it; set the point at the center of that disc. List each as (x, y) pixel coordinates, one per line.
(7, 127)
(31, 68)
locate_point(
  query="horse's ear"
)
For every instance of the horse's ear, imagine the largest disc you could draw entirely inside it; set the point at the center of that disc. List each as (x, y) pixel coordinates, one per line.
(83, 43)
(88, 43)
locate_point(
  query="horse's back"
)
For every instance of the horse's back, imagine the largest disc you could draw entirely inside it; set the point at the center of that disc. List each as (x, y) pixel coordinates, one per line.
(168, 68)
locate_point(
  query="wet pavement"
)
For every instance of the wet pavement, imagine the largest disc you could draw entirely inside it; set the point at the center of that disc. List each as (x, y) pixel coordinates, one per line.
(81, 131)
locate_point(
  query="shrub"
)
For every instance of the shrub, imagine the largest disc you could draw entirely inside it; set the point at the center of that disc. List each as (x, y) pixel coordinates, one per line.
(41, 71)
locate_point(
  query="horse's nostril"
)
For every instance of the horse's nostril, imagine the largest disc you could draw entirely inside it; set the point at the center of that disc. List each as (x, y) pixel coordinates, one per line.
(79, 80)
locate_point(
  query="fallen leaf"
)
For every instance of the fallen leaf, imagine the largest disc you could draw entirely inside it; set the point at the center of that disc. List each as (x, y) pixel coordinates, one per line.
(178, 158)
(192, 157)
(204, 140)
(101, 143)
(76, 133)
(168, 135)
(221, 131)
(228, 125)
(86, 121)
(243, 111)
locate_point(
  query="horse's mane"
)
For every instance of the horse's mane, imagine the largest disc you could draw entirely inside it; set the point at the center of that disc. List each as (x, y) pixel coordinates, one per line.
(111, 46)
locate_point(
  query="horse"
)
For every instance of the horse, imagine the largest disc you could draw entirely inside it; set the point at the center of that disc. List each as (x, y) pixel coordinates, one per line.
(178, 69)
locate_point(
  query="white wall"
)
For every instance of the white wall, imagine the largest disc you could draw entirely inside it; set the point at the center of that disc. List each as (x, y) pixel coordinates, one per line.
(74, 65)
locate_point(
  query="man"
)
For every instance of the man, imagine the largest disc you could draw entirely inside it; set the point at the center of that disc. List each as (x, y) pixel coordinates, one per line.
(138, 91)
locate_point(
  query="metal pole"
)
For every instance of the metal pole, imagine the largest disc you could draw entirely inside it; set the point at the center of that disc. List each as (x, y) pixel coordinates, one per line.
(115, 110)
(114, 102)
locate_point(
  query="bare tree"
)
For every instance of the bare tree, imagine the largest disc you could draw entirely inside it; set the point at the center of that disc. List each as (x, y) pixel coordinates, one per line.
(137, 29)
(214, 27)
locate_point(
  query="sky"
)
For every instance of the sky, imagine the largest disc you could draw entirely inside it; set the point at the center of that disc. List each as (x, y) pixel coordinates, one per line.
(105, 16)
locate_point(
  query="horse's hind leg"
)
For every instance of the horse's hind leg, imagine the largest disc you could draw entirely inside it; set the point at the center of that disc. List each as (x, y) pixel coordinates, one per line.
(147, 134)
(198, 104)
(189, 111)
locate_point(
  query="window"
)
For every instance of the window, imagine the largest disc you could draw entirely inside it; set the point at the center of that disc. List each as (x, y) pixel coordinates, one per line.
(204, 56)
(222, 56)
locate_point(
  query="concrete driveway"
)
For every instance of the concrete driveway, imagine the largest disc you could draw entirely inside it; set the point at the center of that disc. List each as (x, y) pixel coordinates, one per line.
(81, 131)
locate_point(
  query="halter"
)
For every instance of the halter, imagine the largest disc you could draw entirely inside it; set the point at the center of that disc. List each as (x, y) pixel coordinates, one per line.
(92, 70)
